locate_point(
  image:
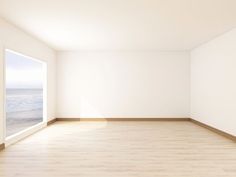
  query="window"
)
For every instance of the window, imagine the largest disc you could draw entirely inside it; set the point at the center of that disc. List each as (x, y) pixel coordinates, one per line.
(24, 92)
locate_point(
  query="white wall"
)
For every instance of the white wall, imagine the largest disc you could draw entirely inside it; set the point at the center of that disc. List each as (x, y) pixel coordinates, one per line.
(15, 39)
(213, 83)
(123, 84)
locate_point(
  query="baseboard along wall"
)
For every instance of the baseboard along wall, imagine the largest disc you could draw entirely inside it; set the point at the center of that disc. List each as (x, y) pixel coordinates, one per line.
(122, 119)
(220, 132)
(51, 121)
(2, 146)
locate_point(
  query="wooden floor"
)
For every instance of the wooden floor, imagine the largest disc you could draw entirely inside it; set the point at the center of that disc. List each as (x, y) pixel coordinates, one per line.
(121, 149)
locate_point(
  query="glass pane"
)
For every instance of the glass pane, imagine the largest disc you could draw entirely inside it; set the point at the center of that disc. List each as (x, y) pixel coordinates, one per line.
(24, 92)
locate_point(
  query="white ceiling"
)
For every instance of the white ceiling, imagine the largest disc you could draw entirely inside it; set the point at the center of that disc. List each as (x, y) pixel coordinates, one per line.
(122, 24)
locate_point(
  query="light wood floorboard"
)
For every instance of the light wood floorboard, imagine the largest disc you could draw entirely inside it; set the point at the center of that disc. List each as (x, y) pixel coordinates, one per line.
(121, 149)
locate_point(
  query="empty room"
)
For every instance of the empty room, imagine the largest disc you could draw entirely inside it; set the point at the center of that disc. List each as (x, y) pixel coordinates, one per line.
(117, 88)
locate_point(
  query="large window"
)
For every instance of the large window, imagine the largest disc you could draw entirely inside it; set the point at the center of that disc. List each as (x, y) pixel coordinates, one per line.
(24, 92)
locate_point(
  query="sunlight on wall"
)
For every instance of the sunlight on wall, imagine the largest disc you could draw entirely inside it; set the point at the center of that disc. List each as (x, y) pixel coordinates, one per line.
(86, 108)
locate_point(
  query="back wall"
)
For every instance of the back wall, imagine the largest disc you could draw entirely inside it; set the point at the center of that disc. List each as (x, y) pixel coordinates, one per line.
(123, 84)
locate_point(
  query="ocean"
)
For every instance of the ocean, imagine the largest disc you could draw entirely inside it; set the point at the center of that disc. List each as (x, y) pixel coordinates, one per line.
(23, 100)
(24, 108)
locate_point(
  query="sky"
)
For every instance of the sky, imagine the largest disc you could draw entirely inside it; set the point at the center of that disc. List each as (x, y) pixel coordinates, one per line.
(22, 72)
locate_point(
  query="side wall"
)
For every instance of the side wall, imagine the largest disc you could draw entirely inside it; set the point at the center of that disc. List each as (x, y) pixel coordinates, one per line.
(213, 83)
(17, 40)
(123, 85)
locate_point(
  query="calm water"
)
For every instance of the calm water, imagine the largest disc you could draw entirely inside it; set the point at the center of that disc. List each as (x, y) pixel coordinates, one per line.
(24, 100)
(24, 108)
